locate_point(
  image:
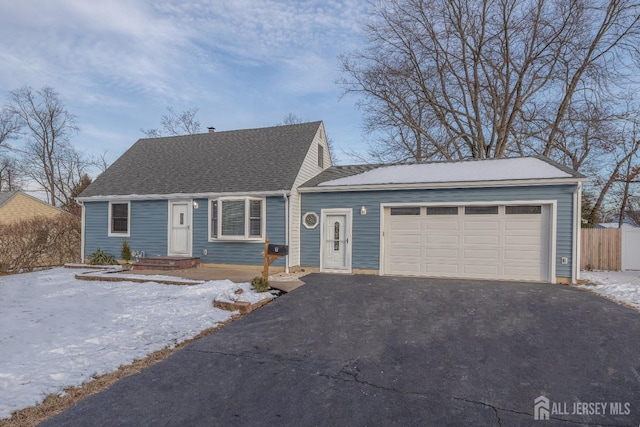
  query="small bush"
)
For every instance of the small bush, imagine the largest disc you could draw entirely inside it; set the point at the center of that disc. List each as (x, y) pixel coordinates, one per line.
(125, 252)
(100, 257)
(259, 284)
(39, 242)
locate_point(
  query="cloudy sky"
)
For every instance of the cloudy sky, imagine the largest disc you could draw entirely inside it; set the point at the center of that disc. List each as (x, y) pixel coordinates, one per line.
(118, 64)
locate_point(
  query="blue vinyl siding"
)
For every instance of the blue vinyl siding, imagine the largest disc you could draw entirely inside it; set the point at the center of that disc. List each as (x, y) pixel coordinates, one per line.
(247, 253)
(148, 228)
(366, 228)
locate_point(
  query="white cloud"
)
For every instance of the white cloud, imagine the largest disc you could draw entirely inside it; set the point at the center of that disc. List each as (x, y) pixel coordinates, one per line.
(121, 62)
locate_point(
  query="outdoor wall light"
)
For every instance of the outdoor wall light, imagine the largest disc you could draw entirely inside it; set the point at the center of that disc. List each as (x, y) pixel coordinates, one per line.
(195, 205)
(363, 210)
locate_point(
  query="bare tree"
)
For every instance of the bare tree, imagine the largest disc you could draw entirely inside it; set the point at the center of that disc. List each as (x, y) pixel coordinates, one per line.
(173, 124)
(451, 79)
(9, 127)
(11, 177)
(47, 156)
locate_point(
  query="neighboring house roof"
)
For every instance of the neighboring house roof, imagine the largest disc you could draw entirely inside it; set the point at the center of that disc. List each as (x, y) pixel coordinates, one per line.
(435, 173)
(5, 196)
(17, 205)
(249, 160)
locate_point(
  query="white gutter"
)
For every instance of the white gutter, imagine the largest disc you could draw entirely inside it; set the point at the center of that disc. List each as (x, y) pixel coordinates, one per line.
(82, 232)
(434, 185)
(175, 196)
(577, 229)
(285, 196)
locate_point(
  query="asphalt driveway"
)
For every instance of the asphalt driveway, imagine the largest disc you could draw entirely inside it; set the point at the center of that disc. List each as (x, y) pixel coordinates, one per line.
(369, 350)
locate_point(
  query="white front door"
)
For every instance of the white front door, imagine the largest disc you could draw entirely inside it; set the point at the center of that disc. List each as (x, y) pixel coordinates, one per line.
(179, 229)
(336, 241)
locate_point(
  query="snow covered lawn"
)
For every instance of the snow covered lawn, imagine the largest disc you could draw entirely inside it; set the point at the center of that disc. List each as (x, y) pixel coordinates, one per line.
(622, 286)
(56, 331)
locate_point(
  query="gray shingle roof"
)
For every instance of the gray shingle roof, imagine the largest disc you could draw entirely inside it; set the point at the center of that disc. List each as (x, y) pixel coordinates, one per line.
(336, 172)
(264, 159)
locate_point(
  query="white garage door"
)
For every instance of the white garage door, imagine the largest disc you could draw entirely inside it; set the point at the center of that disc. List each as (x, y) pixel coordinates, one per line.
(492, 242)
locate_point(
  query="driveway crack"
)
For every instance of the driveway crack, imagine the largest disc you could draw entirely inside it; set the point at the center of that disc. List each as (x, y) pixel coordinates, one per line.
(351, 371)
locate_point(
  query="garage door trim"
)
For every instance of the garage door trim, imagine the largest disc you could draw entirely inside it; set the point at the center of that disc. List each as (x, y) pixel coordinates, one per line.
(552, 204)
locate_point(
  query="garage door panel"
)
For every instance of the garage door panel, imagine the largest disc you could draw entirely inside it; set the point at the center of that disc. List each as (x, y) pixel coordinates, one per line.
(524, 240)
(442, 225)
(405, 252)
(396, 225)
(492, 246)
(522, 272)
(442, 269)
(442, 239)
(477, 270)
(406, 268)
(470, 225)
(440, 253)
(522, 225)
(481, 254)
(483, 240)
(405, 239)
(522, 255)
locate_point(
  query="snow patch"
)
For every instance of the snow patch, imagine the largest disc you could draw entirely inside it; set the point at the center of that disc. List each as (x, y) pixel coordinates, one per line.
(56, 331)
(621, 286)
(464, 171)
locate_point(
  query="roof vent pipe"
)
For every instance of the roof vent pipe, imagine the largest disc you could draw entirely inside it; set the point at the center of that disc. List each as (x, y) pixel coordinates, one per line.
(211, 129)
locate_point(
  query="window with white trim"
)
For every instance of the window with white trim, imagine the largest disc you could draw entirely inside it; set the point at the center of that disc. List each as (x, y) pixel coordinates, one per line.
(119, 218)
(236, 219)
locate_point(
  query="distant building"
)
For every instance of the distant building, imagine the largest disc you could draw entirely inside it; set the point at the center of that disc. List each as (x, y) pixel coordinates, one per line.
(16, 206)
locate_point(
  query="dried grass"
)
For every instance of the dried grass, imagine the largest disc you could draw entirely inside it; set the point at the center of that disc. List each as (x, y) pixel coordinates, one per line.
(39, 242)
(55, 404)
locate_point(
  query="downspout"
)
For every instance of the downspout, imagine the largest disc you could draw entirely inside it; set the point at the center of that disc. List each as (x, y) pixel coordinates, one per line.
(82, 231)
(286, 229)
(577, 229)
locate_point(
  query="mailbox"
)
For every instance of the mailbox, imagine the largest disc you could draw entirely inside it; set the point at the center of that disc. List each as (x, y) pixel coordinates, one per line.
(278, 250)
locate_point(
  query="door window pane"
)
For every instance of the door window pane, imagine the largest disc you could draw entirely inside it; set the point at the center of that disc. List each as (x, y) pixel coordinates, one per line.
(411, 210)
(481, 210)
(442, 210)
(523, 210)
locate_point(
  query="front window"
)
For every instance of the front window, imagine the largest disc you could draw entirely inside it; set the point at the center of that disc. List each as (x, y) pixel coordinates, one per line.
(119, 219)
(237, 219)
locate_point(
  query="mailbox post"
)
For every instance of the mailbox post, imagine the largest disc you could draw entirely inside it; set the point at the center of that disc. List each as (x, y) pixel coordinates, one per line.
(272, 253)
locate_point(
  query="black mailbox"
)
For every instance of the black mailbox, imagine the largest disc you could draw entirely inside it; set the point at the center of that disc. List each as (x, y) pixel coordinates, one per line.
(278, 250)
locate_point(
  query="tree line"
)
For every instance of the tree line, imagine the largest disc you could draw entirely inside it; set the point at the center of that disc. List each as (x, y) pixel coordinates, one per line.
(458, 79)
(35, 147)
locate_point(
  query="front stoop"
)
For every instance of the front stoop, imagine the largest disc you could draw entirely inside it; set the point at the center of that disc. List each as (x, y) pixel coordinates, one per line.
(166, 263)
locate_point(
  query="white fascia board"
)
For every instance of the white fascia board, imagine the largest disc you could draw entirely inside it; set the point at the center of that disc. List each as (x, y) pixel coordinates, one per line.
(182, 196)
(436, 185)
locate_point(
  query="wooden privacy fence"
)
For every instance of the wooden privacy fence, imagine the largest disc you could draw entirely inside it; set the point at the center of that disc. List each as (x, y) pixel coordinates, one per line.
(600, 249)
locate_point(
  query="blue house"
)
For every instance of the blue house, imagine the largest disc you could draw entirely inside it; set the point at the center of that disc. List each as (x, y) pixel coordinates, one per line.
(217, 196)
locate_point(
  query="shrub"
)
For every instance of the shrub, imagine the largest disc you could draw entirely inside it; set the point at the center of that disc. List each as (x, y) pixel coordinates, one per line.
(100, 257)
(39, 242)
(125, 252)
(259, 284)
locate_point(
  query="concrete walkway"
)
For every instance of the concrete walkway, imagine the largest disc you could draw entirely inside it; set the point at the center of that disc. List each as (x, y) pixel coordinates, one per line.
(380, 351)
(281, 281)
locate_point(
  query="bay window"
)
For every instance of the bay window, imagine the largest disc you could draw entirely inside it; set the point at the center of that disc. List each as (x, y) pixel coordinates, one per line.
(236, 219)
